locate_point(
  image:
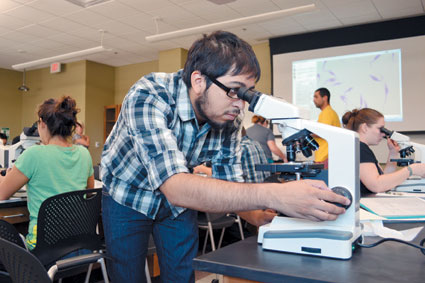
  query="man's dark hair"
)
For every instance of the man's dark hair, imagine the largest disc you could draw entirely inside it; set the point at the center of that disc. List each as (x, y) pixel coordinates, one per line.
(324, 92)
(3, 136)
(217, 54)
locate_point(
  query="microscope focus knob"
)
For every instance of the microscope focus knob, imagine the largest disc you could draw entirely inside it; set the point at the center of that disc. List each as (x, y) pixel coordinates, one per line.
(345, 193)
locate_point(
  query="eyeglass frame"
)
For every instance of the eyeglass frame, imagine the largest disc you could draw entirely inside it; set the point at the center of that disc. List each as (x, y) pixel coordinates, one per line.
(225, 88)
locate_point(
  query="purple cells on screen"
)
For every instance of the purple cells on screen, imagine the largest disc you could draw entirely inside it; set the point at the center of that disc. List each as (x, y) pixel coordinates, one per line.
(376, 79)
(375, 58)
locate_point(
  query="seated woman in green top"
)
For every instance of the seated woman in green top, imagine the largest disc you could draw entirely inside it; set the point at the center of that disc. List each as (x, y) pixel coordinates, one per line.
(57, 166)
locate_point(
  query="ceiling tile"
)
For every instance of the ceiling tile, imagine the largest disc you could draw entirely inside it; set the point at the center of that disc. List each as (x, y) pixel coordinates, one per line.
(320, 17)
(74, 41)
(138, 36)
(19, 36)
(55, 7)
(395, 8)
(190, 22)
(361, 19)
(282, 27)
(170, 13)
(142, 22)
(12, 23)
(87, 17)
(24, 1)
(211, 12)
(38, 30)
(8, 45)
(6, 5)
(61, 24)
(253, 8)
(146, 5)
(29, 14)
(47, 43)
(348, 8)
(116, 28)
(286, 4)
(114, 10)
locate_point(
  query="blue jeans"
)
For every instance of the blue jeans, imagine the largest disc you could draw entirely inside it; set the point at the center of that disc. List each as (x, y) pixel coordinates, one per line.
(127, 237)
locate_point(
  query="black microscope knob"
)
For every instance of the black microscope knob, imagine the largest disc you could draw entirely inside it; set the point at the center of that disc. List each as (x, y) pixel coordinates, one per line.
(345, 193)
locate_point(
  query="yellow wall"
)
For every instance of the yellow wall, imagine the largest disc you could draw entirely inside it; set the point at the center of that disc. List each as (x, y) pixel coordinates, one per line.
(172, 60)
(99, 93)
(126, 76)
(43, 85)
(11, 102)
(262, 51)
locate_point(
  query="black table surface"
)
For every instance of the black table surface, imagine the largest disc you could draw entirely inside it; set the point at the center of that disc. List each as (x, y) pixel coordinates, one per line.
(13, 203)
(387, 262)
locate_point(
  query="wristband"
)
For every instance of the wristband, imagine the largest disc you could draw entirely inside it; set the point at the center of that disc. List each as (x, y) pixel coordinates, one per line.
(410, 170)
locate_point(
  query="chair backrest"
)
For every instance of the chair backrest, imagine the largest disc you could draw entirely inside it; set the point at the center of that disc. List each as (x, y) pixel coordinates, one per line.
(9, 232)
(96, 169)
(66, 223)
(23, 267)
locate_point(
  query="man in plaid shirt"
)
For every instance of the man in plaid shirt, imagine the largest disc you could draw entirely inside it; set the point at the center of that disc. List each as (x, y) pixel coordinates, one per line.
(168, 124)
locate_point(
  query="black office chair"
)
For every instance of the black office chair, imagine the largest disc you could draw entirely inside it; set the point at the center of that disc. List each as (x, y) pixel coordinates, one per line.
(9, 233)
(67, 223)
(211, 221)
(22, 266)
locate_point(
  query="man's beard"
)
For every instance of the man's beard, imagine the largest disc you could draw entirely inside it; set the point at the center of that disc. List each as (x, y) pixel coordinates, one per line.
(202, 102)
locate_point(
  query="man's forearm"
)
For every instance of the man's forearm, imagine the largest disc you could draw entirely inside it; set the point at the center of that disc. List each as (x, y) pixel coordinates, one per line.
(212, 195)
(304, 199)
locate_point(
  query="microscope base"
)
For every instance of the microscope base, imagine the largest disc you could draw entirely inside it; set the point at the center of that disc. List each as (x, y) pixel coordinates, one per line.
(310, 238)
(412, 185)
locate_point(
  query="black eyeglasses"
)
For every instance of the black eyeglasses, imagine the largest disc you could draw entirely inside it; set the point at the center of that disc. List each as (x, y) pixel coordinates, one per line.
(230, 92)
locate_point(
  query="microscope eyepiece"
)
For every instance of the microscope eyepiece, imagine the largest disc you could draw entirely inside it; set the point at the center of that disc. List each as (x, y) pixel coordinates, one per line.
(387, 132)
(250, 96)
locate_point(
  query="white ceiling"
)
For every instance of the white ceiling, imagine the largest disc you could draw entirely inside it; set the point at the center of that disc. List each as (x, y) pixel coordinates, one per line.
(36, 29)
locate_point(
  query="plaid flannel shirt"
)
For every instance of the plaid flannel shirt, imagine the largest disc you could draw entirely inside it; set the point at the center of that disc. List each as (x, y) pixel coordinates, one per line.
(252, 154)
(156, 136)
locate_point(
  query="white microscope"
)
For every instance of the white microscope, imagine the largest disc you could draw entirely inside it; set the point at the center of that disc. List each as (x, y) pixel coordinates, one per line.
(9, 153)
(334, 239)
(413, 184)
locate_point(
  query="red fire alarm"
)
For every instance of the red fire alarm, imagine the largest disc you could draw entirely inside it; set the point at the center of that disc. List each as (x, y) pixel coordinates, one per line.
(55, 67)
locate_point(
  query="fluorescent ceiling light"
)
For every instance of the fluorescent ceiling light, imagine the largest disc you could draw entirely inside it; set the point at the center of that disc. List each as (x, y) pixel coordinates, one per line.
(231, 23)
(59, 58)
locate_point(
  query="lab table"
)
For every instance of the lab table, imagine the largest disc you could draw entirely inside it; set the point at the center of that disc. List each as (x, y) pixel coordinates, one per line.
(246, 261)
(14, 210)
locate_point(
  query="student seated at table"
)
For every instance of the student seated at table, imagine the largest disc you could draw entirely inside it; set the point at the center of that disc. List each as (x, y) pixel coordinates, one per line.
(52, 168)
(368, 123)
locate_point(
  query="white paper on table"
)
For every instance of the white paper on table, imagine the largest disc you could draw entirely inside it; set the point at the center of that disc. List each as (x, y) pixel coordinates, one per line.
(376, 228)
(366, 216)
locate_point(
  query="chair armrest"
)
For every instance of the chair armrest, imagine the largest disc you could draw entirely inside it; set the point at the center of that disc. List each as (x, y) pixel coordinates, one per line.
(78, 260)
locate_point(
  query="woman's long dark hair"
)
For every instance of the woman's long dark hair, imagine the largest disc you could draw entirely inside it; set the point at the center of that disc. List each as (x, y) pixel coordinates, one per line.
(59, 115)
